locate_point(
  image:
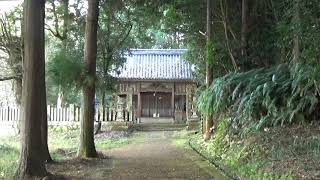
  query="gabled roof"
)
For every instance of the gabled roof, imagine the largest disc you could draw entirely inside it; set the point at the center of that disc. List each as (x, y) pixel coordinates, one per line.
(156, 64)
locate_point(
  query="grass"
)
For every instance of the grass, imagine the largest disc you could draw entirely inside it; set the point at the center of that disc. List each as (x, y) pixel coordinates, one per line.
(110, 144)
(9, 154)
(63, 143)
(180, 138)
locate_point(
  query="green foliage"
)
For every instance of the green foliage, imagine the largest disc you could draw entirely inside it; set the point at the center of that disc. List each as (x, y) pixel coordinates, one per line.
(65, 71)
(262, 97)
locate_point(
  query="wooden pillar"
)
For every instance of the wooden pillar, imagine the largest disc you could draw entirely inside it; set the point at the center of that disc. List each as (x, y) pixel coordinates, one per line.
(120, 108)
(130, 102)
(172, 101)
(188, 101)
(139, 101)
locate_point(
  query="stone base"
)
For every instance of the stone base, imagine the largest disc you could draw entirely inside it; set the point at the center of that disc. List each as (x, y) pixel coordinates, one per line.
(193, 125)
(119, 126)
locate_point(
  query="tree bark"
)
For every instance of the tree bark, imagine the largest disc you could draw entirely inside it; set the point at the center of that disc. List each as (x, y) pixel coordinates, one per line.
(18, 90)
(244, 28)
(43, 96)
(31, 163)
(209, 65)
(44, 120)
(44, 128)
(87, 146)
(65, 22)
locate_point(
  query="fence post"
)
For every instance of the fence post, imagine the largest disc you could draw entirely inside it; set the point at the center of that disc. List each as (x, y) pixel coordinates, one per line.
(77, 113)
(7, 113)
(48, 113)
(107, 114)
(64, 112)
(0, 114)
(14, 114)
(56, 113)
(71, 109)
(96, 114)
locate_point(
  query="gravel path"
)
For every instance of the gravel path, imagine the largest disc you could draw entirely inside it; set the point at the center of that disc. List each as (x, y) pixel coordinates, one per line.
(157, 158)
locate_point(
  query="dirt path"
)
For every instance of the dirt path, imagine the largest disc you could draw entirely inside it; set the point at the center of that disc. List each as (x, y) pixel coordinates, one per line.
(157, 158)
(151, 156)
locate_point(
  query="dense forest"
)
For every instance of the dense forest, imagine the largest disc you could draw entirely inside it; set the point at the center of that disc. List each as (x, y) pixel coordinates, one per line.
(256, 65)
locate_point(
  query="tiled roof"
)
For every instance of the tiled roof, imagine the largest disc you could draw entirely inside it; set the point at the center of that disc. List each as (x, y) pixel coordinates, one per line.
(156, 64)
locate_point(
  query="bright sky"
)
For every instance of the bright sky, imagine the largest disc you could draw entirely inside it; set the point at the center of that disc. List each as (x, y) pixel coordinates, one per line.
(8, 5)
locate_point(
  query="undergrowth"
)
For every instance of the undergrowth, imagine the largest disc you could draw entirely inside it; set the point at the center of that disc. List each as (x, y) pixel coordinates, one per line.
(279, 153)
(283, 94)
(268, 122)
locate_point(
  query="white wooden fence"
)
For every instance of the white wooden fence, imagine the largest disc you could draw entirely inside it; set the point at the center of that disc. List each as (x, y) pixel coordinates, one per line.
(70, 113)
(9, 113)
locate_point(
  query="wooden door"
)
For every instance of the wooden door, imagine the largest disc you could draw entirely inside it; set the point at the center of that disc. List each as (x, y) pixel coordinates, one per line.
(164, 104)
(158, 104)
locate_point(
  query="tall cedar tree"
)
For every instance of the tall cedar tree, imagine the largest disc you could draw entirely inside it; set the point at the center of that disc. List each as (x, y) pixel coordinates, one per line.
(209, 66)
(244, 27)
(87, 147)
(31, 163)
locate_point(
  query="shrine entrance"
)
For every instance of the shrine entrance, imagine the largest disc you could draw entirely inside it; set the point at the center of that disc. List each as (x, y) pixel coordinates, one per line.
(156, 104)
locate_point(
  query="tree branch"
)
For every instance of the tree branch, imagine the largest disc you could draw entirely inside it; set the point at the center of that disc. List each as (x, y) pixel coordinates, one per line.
(10, 77)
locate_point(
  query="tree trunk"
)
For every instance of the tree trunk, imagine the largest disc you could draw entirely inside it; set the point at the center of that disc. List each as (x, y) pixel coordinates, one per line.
(103, 104)
(65, 22)
(31, 164)
(87, 147)
(18, 90)
(296, 41)
(44, 120)
(209, 65)
(244, 28)
(43, 95)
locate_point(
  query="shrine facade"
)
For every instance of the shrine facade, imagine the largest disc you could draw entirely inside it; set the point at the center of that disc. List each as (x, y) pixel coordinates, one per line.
(157, 84)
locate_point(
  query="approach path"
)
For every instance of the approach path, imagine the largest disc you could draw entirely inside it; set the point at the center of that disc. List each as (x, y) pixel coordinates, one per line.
(157, 158)
(154, 155)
